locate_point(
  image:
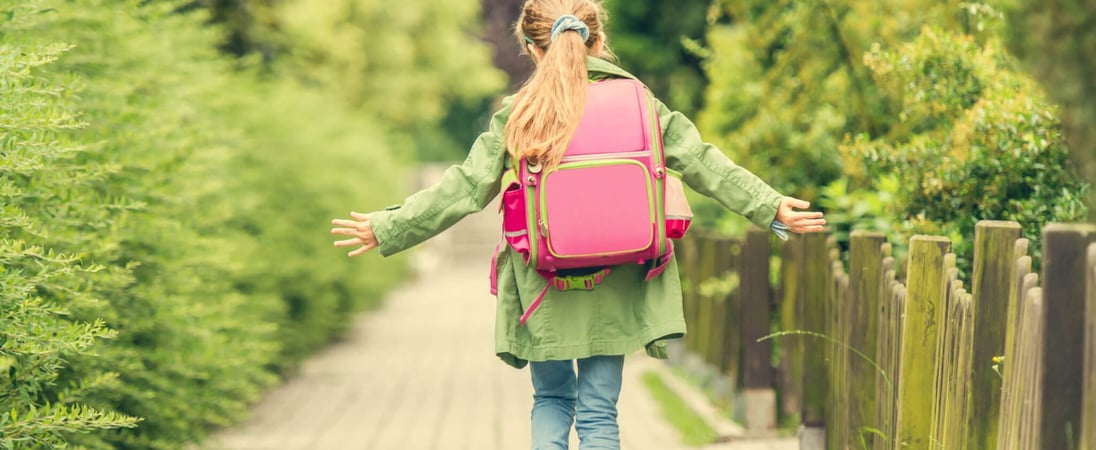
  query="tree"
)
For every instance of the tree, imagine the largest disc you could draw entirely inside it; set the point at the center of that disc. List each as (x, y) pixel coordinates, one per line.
(1055, 40)
(801, 94)
(499, 17)
(659, 43)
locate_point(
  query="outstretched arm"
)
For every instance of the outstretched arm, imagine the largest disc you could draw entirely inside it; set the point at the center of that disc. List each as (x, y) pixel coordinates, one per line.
(464, 189)
(708, 171)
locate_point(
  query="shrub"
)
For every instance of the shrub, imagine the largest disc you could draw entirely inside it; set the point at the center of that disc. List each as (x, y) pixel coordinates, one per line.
(163, 246)
(788, 83)
(976, 141)
(39, 286)
(887, 123)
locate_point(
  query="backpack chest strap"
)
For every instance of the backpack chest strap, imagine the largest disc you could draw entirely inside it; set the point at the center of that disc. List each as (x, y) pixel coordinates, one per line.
(585, 282)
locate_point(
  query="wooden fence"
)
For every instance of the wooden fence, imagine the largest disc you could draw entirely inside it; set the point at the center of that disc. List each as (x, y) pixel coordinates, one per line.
(1006, 361)
(728, 309)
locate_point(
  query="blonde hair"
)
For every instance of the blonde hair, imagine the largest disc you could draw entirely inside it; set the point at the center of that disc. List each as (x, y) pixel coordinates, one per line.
(549, 106)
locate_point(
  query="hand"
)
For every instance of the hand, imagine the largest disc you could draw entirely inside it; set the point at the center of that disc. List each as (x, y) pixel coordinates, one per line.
(361, 231)
(799, 221)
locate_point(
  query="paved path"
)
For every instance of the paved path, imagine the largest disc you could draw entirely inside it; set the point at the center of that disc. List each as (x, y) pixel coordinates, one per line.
(420, 373)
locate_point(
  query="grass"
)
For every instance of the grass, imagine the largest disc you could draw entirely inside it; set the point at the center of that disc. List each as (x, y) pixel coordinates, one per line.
(693, 429)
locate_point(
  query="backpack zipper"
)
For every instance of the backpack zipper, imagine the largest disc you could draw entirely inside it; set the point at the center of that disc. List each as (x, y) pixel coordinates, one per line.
(618, 155)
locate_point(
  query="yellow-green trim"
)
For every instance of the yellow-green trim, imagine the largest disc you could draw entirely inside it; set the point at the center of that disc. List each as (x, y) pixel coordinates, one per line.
(657, 151)
(652, 215)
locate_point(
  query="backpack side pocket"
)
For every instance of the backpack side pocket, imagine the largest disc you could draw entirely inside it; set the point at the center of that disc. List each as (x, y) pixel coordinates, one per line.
(678, 213)
(514, 228)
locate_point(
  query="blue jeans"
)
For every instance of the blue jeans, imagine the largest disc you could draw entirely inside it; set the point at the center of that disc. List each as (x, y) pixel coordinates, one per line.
(588, 400)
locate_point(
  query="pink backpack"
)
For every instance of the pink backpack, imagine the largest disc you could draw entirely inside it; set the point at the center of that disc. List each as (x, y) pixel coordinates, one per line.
(605, 205)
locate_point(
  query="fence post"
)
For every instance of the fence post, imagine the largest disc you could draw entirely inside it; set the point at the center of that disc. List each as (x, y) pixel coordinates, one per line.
(791, 318)
(706, 274)
(690, 285)
(732, 334)
(721, 269)
(814, 289)
(865, 279)
(1009, 420)
(1089, 432)
(890, 335)
(1023, 371)
(757, 373)
(838, 406)
(924, 315)
(1021, 266)
(1064, 248)
(841, 434)
(954, 361)
(722, 351)
(944, 356)
(994, 244)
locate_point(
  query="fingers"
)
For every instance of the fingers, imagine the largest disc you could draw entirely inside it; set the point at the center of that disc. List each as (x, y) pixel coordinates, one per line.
(344, 231)
(366, 245)
(361, 236)
(802, 221)
(796, 203)
(362, 250)
(793, 218)
(349, 242)
(807, 223)
(346, 223)
(810, 229)
(359, 230)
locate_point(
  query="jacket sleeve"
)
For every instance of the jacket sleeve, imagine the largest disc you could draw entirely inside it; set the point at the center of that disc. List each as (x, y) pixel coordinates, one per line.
(707, 170)
(464, 189)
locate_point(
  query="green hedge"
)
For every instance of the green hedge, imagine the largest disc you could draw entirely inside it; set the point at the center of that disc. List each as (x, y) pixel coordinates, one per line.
(417, 66)
(164, 246)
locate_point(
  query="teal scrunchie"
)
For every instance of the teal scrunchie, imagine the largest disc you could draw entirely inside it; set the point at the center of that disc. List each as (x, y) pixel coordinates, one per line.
(567, 23)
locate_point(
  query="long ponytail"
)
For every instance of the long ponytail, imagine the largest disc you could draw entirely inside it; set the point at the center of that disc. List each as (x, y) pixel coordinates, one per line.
(549, 106)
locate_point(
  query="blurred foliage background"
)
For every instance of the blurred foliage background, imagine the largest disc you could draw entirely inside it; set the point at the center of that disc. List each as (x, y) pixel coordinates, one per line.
(903, 117)
(1054, 40)
(169, 171)
(663, 43)
(168, 168)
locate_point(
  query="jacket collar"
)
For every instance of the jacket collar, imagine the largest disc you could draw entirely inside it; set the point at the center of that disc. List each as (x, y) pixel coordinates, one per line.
(600, 68)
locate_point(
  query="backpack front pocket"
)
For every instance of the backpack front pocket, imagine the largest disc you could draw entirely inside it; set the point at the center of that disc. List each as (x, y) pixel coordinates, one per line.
(598, 208)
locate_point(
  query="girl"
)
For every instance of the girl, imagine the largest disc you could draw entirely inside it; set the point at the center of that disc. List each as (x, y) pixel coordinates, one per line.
(595, 328)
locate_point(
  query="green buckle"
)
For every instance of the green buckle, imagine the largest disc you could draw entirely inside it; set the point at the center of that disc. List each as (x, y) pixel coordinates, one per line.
(584, 282)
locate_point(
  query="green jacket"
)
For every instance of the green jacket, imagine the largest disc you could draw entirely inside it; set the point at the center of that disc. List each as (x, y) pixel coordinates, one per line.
(621, 315)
